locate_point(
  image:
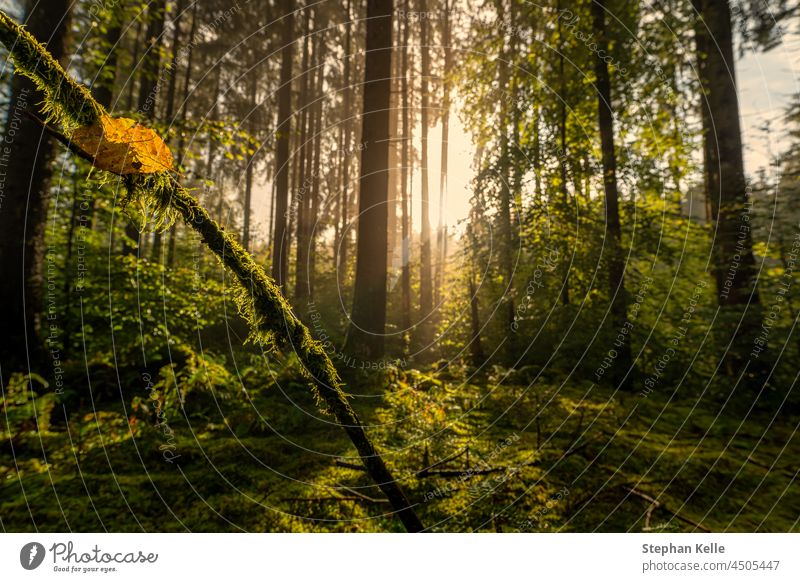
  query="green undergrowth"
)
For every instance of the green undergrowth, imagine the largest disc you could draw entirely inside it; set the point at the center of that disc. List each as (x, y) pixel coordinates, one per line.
(198, 447)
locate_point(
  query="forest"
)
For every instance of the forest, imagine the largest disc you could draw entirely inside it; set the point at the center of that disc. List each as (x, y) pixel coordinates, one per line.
(399, 265)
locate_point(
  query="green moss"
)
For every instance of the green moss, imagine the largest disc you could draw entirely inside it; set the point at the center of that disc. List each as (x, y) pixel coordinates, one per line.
(67, 102)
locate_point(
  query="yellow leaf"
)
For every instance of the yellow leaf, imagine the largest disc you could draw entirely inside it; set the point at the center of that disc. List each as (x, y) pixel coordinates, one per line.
(123, 146)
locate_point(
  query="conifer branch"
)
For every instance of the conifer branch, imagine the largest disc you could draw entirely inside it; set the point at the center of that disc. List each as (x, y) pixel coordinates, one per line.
(271, 318)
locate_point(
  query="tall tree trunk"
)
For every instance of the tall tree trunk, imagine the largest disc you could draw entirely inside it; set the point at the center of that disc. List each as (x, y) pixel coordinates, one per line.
(537, 156)
(406, 183)
(151, 71)
(282, 131)
(613, 235)
(103, 87)
(302, 190)
(315, 172)
(149, 87)
(212, 144)
(426, 275)
(344, 244)
(506, 225)
(394, 160)
(137, 43)
(173, 233)
(173, 64)
(248, 196)
(248, 173)
(365, 335)
(734, 264)
(475, 346)
(23, 206)
(441, 231)
(562, 162)
(67, 268)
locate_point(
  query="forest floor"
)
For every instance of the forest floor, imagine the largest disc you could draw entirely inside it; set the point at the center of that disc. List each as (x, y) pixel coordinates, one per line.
(511, 458)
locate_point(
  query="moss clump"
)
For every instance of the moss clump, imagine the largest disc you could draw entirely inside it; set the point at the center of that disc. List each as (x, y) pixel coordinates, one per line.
(66, 102)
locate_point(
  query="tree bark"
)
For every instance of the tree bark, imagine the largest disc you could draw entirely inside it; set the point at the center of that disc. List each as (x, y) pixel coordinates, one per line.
(137, 42)
(562, 162)
(151, 71)
(406, 184)
(426, 274)
(394, 162)
(365, 335)
(313, 227)
(248, 173)
(302, 190)
(475, 346)
(441, 231)
(103, 87)
(505, 203)
(282, 132)
(24, 201)
(149, 87)
(344, 245)
(734, 264)
(173, 65)
(613, 230)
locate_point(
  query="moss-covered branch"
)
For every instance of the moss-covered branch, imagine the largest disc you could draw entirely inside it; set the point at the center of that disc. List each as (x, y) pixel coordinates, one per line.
(269, 314)
(67, 102)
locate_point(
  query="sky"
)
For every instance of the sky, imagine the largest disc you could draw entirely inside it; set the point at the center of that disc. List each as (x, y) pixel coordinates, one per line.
(766, 84)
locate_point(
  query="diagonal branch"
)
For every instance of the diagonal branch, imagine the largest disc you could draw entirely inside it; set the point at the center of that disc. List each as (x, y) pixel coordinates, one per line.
(269, 314)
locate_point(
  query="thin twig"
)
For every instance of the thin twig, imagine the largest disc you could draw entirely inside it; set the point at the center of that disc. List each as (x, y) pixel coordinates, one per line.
(655, 503)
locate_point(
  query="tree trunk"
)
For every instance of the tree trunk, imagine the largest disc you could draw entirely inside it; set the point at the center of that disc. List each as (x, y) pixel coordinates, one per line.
(24, 201)
(506, 226)
(248, 173)
(426, 275)
(173, 64)
(103, 87)
(406, 185)
(137, 43)
(734, 264)
(613, 235)
(302, 190)
(344, 245)
(365, 335)
(537, 156)
(173, 233)
(394, 159)
(149, 86)
(562, 162)
(313, 227)
(282, 132)
(441, 231)
(151, 70)
(475, 346)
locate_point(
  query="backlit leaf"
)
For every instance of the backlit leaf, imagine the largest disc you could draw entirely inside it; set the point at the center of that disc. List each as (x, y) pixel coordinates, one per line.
(123, 146)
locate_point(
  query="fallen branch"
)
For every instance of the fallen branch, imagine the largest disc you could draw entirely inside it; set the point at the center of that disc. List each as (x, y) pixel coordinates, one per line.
(346, 465)
(447, 473)
(448, 459)
(467, 473)
(336, 498)
(361, 495)
(654, 503)
(261, 302)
